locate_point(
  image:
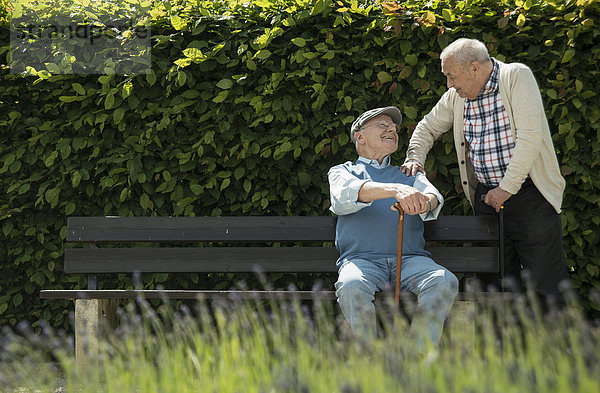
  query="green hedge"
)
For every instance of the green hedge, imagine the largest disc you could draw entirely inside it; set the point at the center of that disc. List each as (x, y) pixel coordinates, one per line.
(246, 108)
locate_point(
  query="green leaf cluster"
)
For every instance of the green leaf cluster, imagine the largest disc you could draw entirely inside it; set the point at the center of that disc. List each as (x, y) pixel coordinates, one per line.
(246, 107)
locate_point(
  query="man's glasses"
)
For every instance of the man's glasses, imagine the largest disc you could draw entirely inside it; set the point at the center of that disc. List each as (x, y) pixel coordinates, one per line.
(382, 125)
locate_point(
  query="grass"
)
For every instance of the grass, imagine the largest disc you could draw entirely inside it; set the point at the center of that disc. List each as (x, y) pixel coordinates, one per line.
(251, 347)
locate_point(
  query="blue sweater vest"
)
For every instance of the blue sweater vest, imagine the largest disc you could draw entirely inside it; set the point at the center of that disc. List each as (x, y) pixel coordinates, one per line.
(372, 232)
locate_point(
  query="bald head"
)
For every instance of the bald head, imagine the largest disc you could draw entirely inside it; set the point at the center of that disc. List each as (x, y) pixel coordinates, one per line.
(467, 67)
(464, 51)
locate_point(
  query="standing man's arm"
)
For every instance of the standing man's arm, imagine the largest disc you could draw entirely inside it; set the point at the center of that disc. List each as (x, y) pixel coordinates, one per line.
(433, 125)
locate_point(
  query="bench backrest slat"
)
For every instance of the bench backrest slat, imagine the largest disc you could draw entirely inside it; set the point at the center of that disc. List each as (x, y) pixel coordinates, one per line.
(200, 260)
(462, 229)
(294, 228)
(206, 229)
(248, 259)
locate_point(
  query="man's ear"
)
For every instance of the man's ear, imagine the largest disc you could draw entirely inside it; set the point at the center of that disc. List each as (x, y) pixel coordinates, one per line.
(358, 136)
(474, 67)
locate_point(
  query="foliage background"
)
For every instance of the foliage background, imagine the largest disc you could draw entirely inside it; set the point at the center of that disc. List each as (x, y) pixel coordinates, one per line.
(247, 106)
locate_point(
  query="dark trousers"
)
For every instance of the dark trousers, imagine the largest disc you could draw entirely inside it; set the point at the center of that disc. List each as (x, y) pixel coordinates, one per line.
(532, 243)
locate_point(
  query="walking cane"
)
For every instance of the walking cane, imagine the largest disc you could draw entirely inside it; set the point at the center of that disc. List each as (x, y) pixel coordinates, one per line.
(399, 253)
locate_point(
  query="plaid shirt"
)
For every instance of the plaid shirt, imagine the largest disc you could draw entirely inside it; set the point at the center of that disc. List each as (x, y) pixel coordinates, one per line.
(487, 129)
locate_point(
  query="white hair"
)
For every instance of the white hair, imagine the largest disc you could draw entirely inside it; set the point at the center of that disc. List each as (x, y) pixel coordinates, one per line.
(464, 51)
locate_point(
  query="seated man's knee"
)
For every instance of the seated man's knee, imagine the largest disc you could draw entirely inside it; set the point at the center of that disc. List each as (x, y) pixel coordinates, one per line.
(353, 288)
(439, 293)
(447, 283)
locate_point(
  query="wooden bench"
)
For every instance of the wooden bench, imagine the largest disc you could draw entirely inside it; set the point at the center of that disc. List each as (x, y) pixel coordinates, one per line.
(248, 247)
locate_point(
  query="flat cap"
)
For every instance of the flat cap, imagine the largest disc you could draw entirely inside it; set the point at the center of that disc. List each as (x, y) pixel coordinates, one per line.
(360, 121)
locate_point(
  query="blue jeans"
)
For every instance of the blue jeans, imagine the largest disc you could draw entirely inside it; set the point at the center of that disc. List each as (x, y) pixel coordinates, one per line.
(435, 287)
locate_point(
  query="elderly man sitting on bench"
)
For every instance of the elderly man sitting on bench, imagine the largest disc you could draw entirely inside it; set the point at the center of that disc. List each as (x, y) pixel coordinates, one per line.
(362, 195)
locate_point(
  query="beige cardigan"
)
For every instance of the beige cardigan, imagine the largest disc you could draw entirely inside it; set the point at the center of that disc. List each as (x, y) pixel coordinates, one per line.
(534, 153)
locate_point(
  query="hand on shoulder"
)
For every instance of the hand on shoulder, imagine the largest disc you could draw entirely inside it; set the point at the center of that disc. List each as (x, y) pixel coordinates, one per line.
(411, 167)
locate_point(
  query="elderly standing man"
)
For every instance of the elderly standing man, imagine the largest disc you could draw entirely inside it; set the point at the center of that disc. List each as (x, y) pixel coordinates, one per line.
(506, 158)
(362, 195)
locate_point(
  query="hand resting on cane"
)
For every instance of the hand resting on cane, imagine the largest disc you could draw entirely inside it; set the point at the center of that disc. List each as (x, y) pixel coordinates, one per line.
(410, 199)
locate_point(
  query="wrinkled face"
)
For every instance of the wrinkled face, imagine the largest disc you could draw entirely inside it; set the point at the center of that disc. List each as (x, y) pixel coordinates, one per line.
(378, 137)
(466, 81)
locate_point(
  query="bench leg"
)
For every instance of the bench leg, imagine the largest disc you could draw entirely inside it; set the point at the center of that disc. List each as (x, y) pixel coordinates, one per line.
(93, 318)
(462, 325)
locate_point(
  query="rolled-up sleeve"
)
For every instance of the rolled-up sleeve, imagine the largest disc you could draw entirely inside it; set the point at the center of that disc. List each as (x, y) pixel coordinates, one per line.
(423, 185)
(343, 191)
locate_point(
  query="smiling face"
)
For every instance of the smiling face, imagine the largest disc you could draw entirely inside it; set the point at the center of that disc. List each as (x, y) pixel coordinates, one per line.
(378, 138)
(467, 80)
